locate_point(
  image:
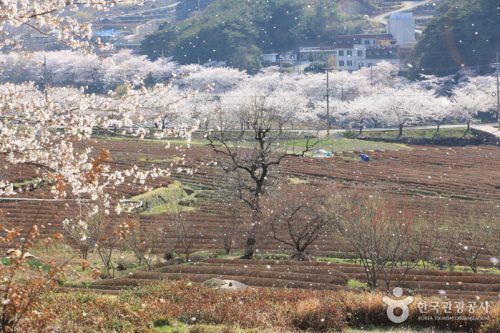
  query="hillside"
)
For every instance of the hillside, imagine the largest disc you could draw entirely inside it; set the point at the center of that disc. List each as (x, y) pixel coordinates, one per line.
(465, 34)
(238, 32)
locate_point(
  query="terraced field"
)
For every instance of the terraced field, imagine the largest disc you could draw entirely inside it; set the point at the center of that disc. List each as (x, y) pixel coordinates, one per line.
(314, 275)
(454, 182)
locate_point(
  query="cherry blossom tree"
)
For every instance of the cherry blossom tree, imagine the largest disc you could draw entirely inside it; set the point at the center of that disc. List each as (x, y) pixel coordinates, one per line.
(78, 69)
(382, 74)
(439, 111)
(40, 128)
(468, 101)
(403, 107)
(50, 18)
(358, 112)
(212, 80)
(45, 127)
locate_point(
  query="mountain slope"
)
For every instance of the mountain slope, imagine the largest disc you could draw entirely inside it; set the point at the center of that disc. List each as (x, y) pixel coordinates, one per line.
(238, 31)
(466, 34)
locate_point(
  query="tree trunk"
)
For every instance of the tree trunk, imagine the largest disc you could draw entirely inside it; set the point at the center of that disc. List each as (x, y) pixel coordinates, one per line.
(84, 251)
(301, 256)
(253, 230)
(400, 131)
(438, 128)
(227, 244)
(360, 129)
(468, 127)
(249, 247)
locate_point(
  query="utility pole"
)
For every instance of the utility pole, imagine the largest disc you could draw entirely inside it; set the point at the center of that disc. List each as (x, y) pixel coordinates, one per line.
(328, 102)
(371, 75)
(496, 65)
(45, 77)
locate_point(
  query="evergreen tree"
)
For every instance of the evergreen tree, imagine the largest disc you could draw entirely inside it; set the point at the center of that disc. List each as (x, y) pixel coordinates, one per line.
(465, 35)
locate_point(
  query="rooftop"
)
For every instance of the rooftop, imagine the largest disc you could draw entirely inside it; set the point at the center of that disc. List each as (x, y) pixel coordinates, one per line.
(401, 15)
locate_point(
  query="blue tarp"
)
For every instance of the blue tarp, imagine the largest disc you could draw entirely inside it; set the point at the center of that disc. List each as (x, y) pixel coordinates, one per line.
(364, 157)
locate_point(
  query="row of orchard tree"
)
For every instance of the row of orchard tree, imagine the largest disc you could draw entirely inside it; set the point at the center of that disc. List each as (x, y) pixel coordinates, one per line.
(375, 97)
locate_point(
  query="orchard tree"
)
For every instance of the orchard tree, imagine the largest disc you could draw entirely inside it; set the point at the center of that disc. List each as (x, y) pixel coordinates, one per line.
(213, 80)
(358, 112)
(439, 111)
(294, 216)
(83, 70)
(403, 107)
(388, 238)
(252, 152)
(382, 74)
(21, 288)
(142, 241)
(288, 106)
(468, 101)
(474, 237)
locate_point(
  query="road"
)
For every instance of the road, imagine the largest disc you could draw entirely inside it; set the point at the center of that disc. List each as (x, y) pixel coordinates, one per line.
(488, 128)
(149, 27)
(333, 132)
(407, 6)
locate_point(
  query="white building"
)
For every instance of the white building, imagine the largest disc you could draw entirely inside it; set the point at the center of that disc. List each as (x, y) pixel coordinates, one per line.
(352, 52)
(283, 57)
(270, 58)
(402, 27)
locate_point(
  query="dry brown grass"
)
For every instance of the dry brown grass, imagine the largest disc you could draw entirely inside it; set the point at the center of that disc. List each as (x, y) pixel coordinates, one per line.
(260, 309)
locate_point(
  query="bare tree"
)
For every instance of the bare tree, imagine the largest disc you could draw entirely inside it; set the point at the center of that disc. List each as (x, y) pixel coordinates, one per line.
(230, 231)
(251, 147)
(476, 237)
(143, 241)
(185, 232)
(109, 241)
(99, 233)
(294, 215)
(168, 246)
(86, 233)
(389, 239)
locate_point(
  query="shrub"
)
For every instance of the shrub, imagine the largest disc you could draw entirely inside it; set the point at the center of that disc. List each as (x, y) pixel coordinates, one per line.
(350, 134)
(318, 316)
(259, 309)
(202, 256)
(358, 285)
(492, 326)
(273, 256)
